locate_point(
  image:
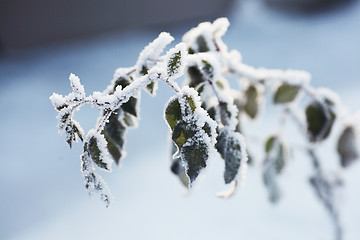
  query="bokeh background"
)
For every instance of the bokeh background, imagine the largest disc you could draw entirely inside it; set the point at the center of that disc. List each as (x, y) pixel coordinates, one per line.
(42, 194)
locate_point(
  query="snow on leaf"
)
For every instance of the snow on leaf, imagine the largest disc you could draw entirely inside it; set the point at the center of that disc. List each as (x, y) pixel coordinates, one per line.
(94, 182)
(286, 93)
(231, 146)
(347, 146)
(58, 101)
(78, 89)
(193, 131)
(151, 52)
(96, 147)
(195, 155)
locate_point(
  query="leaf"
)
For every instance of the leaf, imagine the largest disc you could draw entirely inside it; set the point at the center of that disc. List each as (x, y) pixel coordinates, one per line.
(113, 150)
(73, 130)
(202, 45)
(251, 106)
(275, 153)
(115, 132)
(195, 75)
(178, 135)
(96, 155)
(144, 70)
(174, 64)
(225, 114)
(194, 156)
(228, 145)
(173, 113)
(208, 69)
(151, 87)
(128, 120)
(130, 106)
(320, 119)
(286, 93)
(347, 147)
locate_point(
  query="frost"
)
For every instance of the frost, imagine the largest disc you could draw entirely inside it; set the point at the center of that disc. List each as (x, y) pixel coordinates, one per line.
(149, 56)
(176, 61)
(78, 89)
(94, 182)
(96, 146)
(58, 101)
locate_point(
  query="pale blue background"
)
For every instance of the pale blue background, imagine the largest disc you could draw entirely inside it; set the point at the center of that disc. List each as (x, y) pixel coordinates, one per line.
(42, 194)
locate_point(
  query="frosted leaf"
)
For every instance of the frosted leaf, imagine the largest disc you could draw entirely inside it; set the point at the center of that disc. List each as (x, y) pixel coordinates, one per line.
(64, 117)
(94, 182)
(96, 147)
(207, 36)
(275, 160)
(78, 89)
(193, 131)
(114, 133)
(347, 146)
(231, 145)
(148, 57)
(175, 59)
(73, 131)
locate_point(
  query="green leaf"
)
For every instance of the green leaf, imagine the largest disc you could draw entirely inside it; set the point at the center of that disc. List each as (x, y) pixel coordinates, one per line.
(191, 51)
(269, 144)
(195, 75)
(144, 70)
(220, 85)
(95, 153)
(129, 120)
(174, 64)
(251, 106)
(347, 147)
(130, 106)
(113, 150)
(225, 114)
(195, 156)
(115, 132)
(151, 88)
(178, 135)
(173, 113)
(191, 103)
(202, 44)
(208, 69)
(286, 93)
(320, 119)
(275, 153)
(230, 149)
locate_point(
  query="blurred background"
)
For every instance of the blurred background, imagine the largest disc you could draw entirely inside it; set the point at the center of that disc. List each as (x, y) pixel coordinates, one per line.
(42, 194)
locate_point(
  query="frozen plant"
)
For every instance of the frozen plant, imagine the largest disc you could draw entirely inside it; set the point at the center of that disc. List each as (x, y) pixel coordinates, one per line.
(206, 116)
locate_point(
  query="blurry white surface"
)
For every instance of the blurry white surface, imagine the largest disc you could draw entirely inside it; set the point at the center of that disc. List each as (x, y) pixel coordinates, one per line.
(43, 196)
